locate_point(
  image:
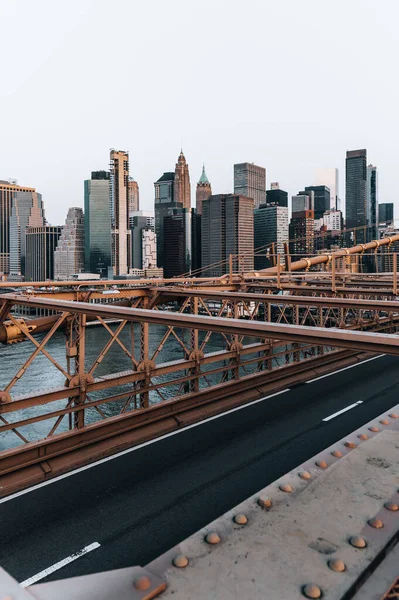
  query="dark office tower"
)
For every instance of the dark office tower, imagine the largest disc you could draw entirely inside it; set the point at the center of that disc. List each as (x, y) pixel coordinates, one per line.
(270, 227)
(227, 228)
(164, 203)
(41, 243)
(356, 190)
(372, 203)
(250, 181)
(385, 213)
(182, 189)
(119, 197)
(196, 220)
(97, 224)
(276, 196)
(301, 232)
(177, 242)
(204, 190)
(321, 199)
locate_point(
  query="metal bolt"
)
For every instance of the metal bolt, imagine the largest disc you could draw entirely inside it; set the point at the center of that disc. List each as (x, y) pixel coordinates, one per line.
(337, 453)
(391, 506)
(142, 583)
(286, 487)
(394, 416)
(212, 538)
(349, 444)
(376, 523)
(311, 591)
(240, 519)
(373, 428)
(265, 502)
(358, 542)
(305, 475)
(180, 561)
(363, 436)
(384, 421)
(337, 564)
(322, 464)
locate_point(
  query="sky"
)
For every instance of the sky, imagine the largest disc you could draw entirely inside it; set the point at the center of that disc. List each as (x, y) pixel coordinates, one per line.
(286, 84)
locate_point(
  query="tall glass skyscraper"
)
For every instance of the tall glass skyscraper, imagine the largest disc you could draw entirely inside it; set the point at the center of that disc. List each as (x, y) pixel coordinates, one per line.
(372, 203)
(97, 224)
(356, 189)
(250, 181)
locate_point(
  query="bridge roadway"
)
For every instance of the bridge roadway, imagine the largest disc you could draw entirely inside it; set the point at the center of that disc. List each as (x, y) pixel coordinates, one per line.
(139, 504)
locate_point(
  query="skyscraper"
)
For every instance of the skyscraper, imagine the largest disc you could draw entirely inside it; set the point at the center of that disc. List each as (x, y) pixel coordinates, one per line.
(372, 203)
(164, 203)
(204, 190)
(144, 245)
(134, 196)
(356, 189)
(385, 213)
(321, 199)
(119, 194)
(8, 192)
(250, 181)
(302, 202)
(41, 243)
(69, 254)
(97, 224)
(182, 189)
(27, 211)
(177, 242)
(301, 227)
(227, 228)
(276, 196)
(270, 227)
(330, 178)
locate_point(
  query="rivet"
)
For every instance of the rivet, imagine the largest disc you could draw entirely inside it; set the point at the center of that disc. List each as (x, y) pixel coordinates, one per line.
(358, 542)
(376, 523)
(337, 453)
(337, 564)
(384, 421)
(394, 416)
(311, 591)
(286, 487)
(322, 464)
(363, 436)
(391, 506)
(142, 583)
(240, 519)
(305, 475)
(212, 538)
(349, 444)
(373, 428)
(180, 561)
(265, 502)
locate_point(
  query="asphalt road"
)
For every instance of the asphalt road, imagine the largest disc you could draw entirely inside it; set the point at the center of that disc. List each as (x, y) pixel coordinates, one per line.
(140, 504)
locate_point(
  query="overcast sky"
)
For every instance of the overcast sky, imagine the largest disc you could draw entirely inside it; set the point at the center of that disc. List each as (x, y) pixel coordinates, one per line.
(287, 84)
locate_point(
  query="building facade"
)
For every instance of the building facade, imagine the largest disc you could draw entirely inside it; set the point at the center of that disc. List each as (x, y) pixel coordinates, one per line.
(27, 211)
(134, 196)
(227, 228)
(164, 204)
(144, 247)
(270, 227)
(372, 203)
(356, 190)
(332, 220)
(329, 177)
(97, 224)
(196, 261)
(301, 233)
(321, 199)
(41, 243)
(182, 188)
(385, 213)
(250, 181)
(177, 242)
(203, 191)
(69, 254)
(149, 248)
(276, 196)
(119, 201)
(302, 202)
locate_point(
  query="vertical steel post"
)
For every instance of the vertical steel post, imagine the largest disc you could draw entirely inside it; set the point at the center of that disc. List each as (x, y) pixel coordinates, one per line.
(395, 273)
(333, 283)
(144, 359)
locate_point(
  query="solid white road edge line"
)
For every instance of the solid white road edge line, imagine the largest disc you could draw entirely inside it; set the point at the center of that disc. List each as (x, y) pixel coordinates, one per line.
(343, 410)
(345, 368)
(59, 564)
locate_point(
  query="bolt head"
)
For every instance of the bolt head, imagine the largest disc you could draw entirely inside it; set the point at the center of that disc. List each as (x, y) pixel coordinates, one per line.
(180, 561)
(374, 429)
(311, 591)
(265, 502)
(376, 523)
(350, 444)
(286, 487)
(363, 436)
(305, 475)
(384, 421)
(391, 506)
(322, 464)
(357, 542)
(142, 583)
(212, 538)
(394, 416)
(241, 519)
(337, 564)
(337, 453)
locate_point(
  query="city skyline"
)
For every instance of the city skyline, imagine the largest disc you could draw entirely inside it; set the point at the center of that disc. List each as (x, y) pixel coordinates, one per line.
(66, 129)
